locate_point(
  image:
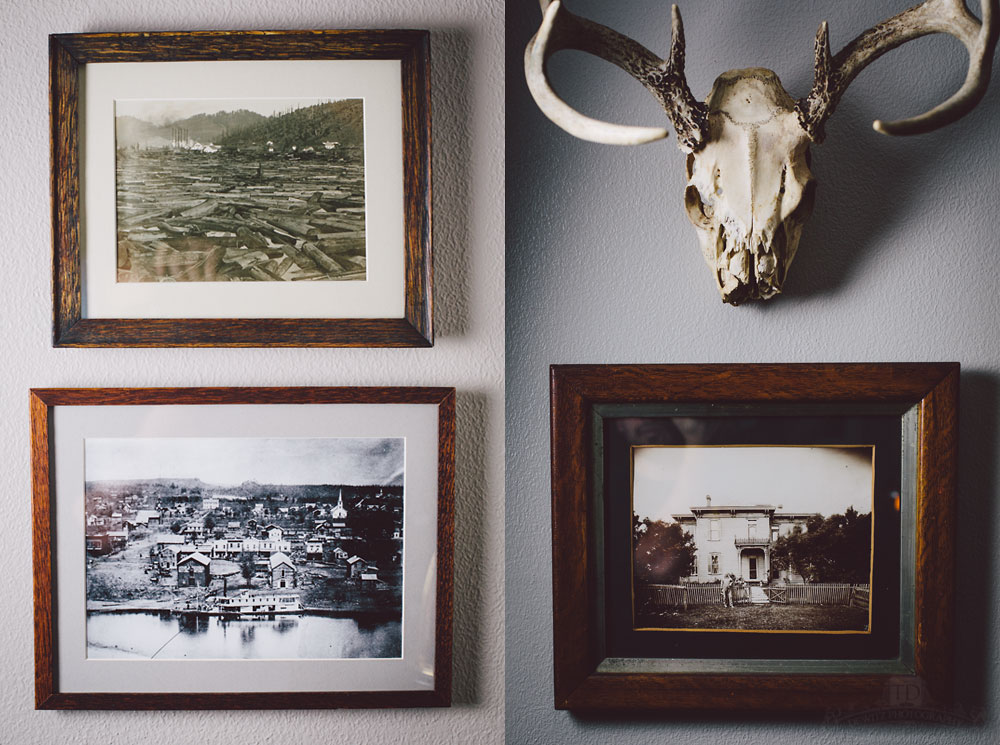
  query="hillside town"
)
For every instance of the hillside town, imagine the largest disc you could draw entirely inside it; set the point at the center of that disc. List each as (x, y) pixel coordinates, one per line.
(184, 545)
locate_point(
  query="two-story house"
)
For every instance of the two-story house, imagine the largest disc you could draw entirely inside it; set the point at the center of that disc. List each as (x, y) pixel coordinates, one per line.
(738, 540)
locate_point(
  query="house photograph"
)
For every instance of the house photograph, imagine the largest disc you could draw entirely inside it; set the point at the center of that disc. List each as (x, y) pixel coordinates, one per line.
(752, 538)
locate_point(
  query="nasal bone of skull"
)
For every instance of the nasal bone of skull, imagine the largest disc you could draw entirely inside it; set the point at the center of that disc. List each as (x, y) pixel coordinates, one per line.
(747, 187)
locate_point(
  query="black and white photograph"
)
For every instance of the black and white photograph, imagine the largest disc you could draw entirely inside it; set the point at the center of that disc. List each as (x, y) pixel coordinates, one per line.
(244, 548)
(240, 190)
(752, 538)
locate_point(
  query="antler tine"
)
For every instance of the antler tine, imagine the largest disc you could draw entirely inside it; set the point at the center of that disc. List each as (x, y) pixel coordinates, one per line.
(689, 116)
(832, 76)
(560, 30)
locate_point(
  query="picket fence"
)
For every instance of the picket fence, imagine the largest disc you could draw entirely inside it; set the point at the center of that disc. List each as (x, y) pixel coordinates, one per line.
(860, 597)
(815, 594)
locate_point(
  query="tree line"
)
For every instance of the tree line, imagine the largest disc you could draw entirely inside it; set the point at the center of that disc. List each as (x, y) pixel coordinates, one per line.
(830, 549)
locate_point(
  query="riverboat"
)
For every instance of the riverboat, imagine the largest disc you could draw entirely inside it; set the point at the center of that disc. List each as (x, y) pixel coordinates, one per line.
(249, 603)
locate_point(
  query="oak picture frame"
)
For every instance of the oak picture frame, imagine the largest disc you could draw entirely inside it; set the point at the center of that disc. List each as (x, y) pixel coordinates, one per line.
(583, 398)
(70, 54)
(50, 694)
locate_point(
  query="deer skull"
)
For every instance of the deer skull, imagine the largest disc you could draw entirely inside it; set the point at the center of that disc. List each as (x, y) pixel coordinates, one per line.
(749, 189)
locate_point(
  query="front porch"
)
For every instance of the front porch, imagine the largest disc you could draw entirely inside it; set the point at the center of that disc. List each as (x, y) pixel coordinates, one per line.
(754, 560)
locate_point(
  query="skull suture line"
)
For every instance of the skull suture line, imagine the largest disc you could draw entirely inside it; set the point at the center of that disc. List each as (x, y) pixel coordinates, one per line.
(749, 189)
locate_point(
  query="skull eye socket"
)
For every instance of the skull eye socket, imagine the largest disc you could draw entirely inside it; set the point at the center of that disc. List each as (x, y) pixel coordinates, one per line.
(698, 212)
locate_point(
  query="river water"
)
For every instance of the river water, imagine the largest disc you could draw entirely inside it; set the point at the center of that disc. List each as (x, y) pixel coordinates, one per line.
(300, 636)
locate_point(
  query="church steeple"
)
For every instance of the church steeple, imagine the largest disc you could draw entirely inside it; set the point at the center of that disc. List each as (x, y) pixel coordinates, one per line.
(339, 512)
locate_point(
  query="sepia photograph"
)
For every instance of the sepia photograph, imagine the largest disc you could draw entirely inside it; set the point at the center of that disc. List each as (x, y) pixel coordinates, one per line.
(240, 190)
(244, 548)
(752, 538)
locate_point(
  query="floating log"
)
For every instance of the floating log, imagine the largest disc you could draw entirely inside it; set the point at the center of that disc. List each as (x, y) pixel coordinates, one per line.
(205, 270)
(339, 224)
(303, 261)
(259, 274)
(244, 259)
(145, 236)
(178, 206)
(142, 218)
(283, 266)
(202, 210)
(338, 247)
(325, 262)
(250, 239)
(272, 231)
(335, 204)
(300, 228)
(342, 235)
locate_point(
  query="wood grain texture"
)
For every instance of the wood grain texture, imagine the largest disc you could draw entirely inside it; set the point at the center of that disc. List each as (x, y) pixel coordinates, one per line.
(205, 46)
(937, 473)
(791, 383)
(65, 184)
(68, 52)
(41, 543)
(241, 332)
(577, 648)
(417, 186)
(573, 587)
(47, 693)
(445, 549)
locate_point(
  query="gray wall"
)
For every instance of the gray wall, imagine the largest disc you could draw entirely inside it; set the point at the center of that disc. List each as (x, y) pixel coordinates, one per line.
(898, 263)
(467, 103)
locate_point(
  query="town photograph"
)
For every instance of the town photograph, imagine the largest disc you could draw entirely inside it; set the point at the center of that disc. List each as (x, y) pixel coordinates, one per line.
(752, 538)
(246, 548)
(240, 190)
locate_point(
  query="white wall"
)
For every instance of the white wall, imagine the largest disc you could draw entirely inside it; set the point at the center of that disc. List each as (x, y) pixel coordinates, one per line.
(467, 82)
(899, 262)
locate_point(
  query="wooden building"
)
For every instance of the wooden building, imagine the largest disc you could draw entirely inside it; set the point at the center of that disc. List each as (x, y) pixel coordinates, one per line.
(282, 571)
(194, 570)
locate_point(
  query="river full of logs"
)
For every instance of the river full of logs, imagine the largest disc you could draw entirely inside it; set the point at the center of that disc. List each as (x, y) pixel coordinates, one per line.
(187, 216)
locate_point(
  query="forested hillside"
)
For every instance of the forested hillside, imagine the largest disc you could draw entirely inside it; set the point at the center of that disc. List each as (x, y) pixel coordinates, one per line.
(337, 121)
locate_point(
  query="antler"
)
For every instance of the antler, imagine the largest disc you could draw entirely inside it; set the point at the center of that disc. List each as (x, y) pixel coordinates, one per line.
(832, 76)
(665, 79)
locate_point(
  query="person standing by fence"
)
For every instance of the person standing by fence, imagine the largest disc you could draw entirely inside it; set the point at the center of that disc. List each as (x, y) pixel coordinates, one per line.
(727, 590)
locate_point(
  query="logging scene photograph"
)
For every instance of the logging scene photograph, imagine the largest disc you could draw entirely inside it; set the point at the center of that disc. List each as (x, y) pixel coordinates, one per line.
(752, 538)
(240, 190)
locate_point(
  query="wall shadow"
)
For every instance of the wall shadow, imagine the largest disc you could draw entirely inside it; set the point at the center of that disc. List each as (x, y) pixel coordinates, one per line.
(452, 134)
(975, 594)
(867, 184)
(471, 417)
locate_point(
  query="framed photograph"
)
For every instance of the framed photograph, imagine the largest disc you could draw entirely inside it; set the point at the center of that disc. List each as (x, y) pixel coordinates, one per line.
(217, 548)
(753, 537)
(241, 188)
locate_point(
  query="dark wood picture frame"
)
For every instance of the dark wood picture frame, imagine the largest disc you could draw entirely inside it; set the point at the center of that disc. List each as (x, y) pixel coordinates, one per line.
(48, 694)
(925, 393)
(68, 53)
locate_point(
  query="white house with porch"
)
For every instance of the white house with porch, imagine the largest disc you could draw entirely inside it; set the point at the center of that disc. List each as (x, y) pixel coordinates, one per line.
(738, 540)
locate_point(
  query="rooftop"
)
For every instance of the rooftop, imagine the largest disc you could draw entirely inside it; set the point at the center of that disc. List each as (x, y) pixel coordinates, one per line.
(278, 558)
(734, 508)
(198, 557)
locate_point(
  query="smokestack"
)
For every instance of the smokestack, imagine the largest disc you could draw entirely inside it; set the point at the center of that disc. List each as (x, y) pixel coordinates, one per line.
(708, 500)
